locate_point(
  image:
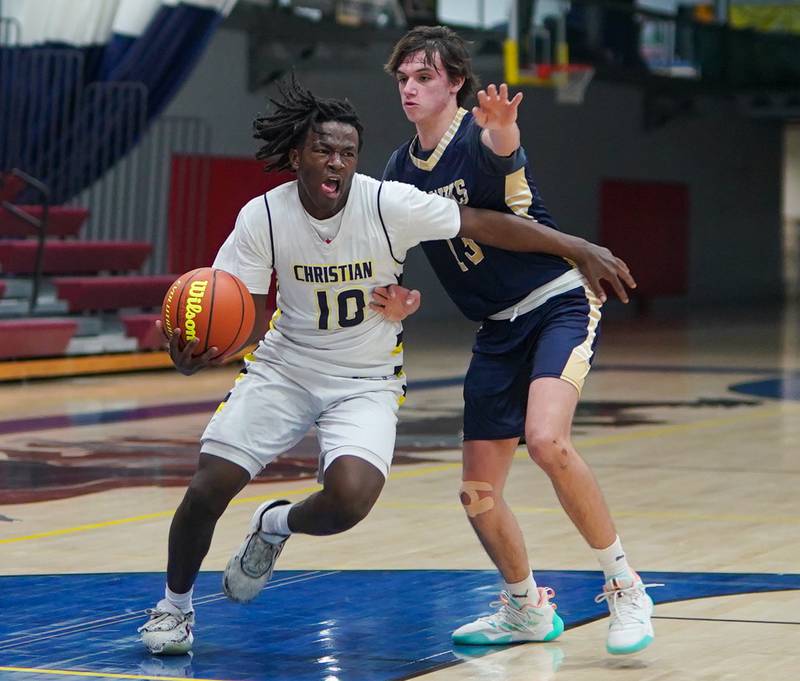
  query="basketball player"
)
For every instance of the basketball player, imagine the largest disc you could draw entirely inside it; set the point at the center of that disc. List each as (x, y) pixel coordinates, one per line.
(532, 354)
(327, 360)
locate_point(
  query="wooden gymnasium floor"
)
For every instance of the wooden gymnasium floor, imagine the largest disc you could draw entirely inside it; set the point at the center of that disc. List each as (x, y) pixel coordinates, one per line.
(692, 427)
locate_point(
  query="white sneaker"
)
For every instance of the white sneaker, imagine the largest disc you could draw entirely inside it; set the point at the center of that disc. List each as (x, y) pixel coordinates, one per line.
(513, 622)
(251, 566)
(168, 631)
(629, 628)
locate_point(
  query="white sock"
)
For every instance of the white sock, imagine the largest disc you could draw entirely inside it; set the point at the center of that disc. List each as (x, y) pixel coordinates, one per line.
(613, 561)
(524, 591)
(181, 601)
(276, 521)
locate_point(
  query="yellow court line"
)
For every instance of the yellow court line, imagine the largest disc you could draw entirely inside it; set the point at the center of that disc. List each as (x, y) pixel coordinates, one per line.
(244, 500)
(654, 515)
(147, 516)
(98, 675)
(584, 442)
(657, 431)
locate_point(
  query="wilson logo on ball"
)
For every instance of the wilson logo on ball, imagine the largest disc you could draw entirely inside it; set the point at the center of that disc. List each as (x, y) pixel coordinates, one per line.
(212, 308)
(194, 307)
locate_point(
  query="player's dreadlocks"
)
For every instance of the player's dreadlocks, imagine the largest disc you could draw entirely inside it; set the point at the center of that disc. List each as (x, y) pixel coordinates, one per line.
(297, 111)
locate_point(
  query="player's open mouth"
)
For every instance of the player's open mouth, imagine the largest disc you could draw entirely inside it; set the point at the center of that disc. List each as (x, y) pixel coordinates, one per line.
(331, 186)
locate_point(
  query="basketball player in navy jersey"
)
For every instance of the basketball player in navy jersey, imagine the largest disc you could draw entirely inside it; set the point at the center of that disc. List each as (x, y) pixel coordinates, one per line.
(540, 319)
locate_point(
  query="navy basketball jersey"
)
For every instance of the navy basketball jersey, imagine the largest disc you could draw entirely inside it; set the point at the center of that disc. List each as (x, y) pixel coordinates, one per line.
(481, 280)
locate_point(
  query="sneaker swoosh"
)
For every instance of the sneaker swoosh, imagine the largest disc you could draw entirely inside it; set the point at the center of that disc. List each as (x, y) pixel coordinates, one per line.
(494, 636)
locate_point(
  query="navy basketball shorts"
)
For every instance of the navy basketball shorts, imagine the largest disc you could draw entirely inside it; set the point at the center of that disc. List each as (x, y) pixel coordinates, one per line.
(556, 339)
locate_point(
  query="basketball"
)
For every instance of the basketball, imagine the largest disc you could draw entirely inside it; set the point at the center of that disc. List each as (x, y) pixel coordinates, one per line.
(211, 305)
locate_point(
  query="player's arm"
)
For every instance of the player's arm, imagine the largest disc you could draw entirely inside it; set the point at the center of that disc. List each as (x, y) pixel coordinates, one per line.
(247, 254)
(514, 233)
(497, 115)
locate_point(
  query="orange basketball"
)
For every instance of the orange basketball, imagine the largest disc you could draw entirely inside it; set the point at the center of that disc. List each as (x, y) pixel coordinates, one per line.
(211, 305)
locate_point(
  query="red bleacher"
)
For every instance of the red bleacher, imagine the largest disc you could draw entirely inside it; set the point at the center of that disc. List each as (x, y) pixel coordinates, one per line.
(61, 221)
(112, 293)
(73, 257)
(21, 338)
(2, 288)
(143, 328)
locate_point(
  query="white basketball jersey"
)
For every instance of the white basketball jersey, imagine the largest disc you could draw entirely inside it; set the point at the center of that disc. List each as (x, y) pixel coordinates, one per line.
(324, 321)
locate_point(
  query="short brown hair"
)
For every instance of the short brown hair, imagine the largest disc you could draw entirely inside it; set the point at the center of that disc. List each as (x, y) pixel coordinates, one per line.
(451, 48)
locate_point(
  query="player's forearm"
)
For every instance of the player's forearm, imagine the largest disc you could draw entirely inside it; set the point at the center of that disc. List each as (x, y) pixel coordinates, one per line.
(514, 233)
(503, 141)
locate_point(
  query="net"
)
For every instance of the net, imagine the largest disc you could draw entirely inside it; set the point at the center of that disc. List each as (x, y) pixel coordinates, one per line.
(569, 80)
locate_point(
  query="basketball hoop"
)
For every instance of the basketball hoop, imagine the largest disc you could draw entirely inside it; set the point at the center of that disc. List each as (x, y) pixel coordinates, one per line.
(569, 80)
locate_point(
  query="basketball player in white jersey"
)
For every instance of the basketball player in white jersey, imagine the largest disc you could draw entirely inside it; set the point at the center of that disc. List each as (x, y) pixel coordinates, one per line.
(328, 359)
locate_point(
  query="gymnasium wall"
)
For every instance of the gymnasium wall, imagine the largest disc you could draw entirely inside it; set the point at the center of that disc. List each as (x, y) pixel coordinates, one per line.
(731, 164)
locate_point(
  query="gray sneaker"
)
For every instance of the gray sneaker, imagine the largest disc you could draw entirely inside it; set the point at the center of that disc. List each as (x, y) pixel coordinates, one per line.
(168, 631)
(251, 566)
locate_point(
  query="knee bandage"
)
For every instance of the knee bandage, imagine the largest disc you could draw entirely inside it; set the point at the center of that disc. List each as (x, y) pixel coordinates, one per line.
(476, 505)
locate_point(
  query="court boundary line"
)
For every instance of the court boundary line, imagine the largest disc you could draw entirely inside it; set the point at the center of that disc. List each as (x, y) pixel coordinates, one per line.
(720, 619)
(100, 675)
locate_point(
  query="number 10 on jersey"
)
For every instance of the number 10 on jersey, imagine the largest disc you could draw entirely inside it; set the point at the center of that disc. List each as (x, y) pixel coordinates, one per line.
(348, 308)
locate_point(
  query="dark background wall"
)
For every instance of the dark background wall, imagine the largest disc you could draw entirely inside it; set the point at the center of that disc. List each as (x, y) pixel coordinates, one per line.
(731, 164)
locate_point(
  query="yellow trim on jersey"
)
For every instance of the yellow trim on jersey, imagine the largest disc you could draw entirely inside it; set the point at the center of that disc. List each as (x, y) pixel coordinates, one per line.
(275, 317)
(518, 193)
(433, 159)
(398, 349)
(577, 367)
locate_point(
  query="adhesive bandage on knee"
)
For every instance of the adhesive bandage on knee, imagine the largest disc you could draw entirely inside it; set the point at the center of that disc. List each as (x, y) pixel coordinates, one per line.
(476, 505)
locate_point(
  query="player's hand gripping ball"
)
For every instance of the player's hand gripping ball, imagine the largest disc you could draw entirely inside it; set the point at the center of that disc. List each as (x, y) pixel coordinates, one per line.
(212, 306)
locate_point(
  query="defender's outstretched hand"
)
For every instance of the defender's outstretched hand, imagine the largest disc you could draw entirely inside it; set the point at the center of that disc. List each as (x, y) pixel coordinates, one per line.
(182, 359)
(597, 263)
(495, 111)
(395, 302)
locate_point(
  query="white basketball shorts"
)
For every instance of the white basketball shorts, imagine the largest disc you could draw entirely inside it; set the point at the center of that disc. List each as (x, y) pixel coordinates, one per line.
(272, 406)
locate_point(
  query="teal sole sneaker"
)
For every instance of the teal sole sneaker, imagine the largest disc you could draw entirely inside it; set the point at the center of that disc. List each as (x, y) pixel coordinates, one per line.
(513, 623)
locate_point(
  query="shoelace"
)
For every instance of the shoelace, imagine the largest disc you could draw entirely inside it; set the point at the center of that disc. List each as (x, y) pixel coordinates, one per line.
(157, 617)
(513, 614)
(623, 601)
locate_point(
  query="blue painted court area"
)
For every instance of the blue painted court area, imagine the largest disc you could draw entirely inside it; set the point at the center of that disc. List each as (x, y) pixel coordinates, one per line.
(785, 387)
(371, 625)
